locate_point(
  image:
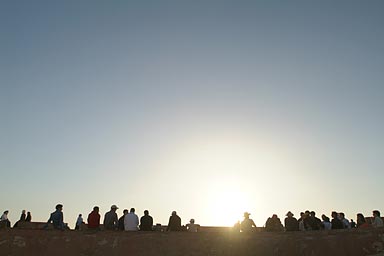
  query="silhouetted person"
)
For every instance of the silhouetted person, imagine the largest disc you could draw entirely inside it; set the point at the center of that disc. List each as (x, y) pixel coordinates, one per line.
(4, 219)
(29, 217)
(353, 224)
(22, 219)
(247, 225)
(301, 221)
(79, 221)
(192, 227)
(146, 222)
(326, 223)
(174, 223)
(314, 222)
(237, 227)
(110, 219)
(336, 222)
(94, 219)
(291, 223)
(131, 221)
(23, 216)
(273, 224)
(307, 220)
(120, 223)
(57, 218)
(377, 222)
(346, 224)
(361, 222)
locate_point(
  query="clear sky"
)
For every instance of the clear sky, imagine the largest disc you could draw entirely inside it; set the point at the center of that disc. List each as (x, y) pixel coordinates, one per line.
(209, 108)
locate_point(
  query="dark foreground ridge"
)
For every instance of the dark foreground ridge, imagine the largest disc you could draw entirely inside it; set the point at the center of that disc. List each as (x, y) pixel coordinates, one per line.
(17, 242)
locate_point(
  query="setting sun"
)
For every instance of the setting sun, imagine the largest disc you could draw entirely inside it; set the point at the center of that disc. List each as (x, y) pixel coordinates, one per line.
(226, 204)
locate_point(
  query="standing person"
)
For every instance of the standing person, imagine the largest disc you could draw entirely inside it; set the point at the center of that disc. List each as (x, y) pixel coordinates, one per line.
(131, 221)
(192, 227)
(79, 221)
(29, 217)
(174, 223)
(57, 218)
(4, 219)
(353, 224)
(377, 222)
(120, 224)
(291, 223)
(146, 222)
(336, 222)
(247, 225)
(94, 219)
(110, 219)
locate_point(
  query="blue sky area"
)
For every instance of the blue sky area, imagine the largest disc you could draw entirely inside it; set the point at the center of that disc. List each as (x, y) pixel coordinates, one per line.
(210, 108)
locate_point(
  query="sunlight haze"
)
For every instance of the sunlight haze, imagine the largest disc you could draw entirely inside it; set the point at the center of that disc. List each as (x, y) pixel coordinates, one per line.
(209, 108)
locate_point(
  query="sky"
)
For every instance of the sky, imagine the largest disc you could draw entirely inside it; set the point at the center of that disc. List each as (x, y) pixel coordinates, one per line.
(210, 108)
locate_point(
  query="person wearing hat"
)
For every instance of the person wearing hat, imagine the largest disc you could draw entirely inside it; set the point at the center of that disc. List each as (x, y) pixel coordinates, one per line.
(110, 219)
(291, 223)
(247, 224)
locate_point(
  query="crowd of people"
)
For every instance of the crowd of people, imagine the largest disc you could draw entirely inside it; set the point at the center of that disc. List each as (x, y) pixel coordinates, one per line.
(25, 217)
(129, 221)
(308, 221)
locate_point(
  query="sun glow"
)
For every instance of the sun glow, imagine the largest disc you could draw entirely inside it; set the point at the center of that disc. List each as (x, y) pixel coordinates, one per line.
(226, 204)
(230, 176)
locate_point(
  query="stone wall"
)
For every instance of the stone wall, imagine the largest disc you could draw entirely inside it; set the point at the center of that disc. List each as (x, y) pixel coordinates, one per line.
(17, 242)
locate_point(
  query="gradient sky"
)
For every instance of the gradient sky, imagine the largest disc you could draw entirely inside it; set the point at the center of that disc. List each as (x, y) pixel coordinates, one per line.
(209, 108)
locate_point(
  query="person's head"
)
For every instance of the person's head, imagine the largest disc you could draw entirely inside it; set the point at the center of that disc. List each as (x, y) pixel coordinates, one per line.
(334, 214)
(23, 212)
(376, 213)
(6, 212)
(360, 218)
(114, 208)
(96, 208)
(146, 212)
(192, 221)
(28, 213)
(59, 207)
(246, 215)
(313, 214)
(301, 214)
(289, 214)
(274, 216)
(125, 211)
(341, 215)
(324, 218)
(80, 215)
(132, 210)
(174, 213)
